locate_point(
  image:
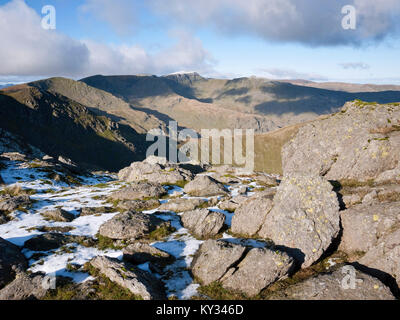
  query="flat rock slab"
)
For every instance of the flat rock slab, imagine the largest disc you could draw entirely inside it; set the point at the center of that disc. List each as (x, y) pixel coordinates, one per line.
(139, 282)
(139, 253)
(50, 241)
(305, 217)
(12, 261)
(139, 191)
(130, 225)
(203, 223)
(205, 186)
(337, 286)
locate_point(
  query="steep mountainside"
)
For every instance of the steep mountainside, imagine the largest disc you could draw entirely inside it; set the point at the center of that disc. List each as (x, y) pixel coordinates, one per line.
(100, 102)
(58, 125)
(257, 103)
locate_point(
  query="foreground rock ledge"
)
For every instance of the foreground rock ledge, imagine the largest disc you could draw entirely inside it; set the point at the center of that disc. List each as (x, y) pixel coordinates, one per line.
(334, 286)
(139, 282)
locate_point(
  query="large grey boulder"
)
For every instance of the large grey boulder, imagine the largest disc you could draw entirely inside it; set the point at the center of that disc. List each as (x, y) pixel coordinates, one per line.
(305, 217)
(12, 262)
(130, 225)
(181, 204)
(205, 186)
(360, 142)
(260, 268)
(139, 282)
(385, 256)
(250, 215)
(139, 191)
(59, 215)
(203, 223)
(9, 203)
(214, 258)
(26, 287)
(155, 172)
(363, 225)
(337, 285)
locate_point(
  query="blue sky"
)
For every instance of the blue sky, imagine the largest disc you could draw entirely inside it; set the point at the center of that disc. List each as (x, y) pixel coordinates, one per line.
(222, 38)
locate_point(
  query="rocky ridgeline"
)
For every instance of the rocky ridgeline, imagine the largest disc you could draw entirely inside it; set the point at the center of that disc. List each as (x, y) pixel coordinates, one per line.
(334, 213)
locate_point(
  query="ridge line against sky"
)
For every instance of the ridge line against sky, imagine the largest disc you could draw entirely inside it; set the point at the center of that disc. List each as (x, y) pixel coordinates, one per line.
(277, 39)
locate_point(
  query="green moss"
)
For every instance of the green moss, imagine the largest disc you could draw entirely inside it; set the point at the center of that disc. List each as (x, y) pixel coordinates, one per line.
(105, 243)
(161, 233)
(216, 292)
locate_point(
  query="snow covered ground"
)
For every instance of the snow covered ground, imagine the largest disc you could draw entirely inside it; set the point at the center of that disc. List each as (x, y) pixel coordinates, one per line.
(48, 194)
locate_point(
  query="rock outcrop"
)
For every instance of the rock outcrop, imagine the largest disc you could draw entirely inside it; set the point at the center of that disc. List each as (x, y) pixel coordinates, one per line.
(139, 191)
(9, 203)
(59, 215)
(360, 142)
(203, 223)
(155, 172)
(364, 225)
(205, 186)
(250, 216)
(337, 285)
(260, 268)
(12, 262)
(131, 225)
(139, 282)
(305, 217)
(138, 253)
(181, 204)
(25, 287)
(214, 258)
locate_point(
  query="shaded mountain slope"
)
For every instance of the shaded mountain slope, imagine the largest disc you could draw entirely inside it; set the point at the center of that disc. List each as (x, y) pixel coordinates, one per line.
(58, 125)
(100, 102)
(257, 103)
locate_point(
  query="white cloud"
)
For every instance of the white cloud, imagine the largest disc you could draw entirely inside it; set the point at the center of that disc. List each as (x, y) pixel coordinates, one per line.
(355, 65)
(28, 50)
(289, 74)
(121, 15)
(315, 23)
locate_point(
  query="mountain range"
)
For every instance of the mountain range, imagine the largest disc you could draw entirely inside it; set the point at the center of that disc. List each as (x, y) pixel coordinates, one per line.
(101, 121)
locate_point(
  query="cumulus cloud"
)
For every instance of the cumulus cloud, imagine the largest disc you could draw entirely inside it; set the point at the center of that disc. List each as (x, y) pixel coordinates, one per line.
(30, 50)
(289, 74)
(355, 65)
(119, 14)
(313, 23)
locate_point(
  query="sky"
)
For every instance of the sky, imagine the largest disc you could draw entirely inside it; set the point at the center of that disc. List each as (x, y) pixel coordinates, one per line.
(276, 39)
